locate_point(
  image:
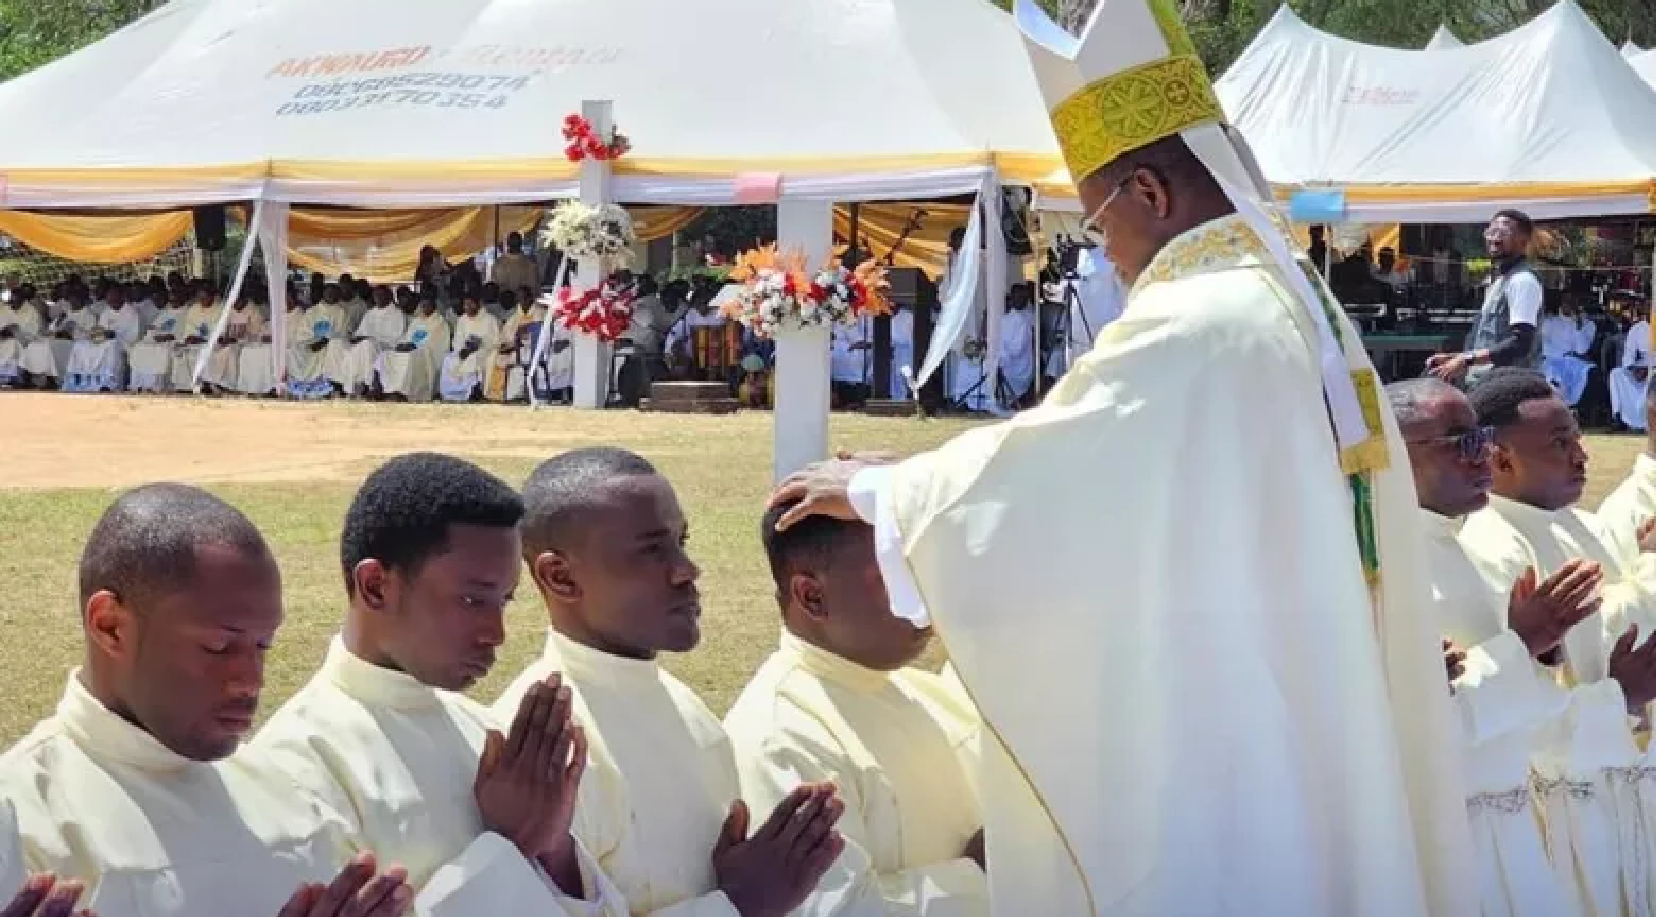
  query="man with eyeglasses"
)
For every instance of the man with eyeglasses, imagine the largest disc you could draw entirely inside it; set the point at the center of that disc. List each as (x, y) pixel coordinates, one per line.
(1510, 631)
(1504, 334)
(1593, 783)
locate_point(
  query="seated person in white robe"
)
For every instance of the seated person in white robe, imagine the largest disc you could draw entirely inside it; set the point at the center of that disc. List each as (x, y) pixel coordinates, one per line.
(476, 337)
(1630, 382)
(903, 351)
(20, 324)
(1628, 513)
(1567, 348)
(1018, 347)
(193, 334)
(256, 368)
(1509, 706)
(99, 363)
(839, 703)
(504, 380)
(45, 360)
(244, 324)
(408, 371)
(851, 361)
(152, 356)
(315, 336)
(1594, 786)
(135, 785)
(380, 330)
(660, 804)
(431, 559)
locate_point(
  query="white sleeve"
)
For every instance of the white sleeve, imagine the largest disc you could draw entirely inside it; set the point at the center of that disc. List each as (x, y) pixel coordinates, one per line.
(870, 495)
(492, 877)
(1524, 299)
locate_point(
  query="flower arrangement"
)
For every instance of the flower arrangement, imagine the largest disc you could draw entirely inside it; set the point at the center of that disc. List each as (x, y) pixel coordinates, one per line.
(778, 292)
(605, 313)
(585, 232)
(585, 143)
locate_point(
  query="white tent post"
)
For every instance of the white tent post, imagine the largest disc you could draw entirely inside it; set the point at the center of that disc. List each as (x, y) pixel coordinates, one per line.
(590, 357)
(801, 414)
(273, 244)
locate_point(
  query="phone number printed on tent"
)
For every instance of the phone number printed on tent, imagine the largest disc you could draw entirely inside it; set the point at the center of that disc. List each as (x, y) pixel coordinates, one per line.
(409, 90)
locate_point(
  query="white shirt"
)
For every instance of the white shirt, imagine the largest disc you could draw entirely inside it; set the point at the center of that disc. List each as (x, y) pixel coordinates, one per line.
(1524, 297)
(1636, 347)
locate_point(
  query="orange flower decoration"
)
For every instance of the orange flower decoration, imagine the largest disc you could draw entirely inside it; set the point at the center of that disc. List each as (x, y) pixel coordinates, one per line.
(873, 277)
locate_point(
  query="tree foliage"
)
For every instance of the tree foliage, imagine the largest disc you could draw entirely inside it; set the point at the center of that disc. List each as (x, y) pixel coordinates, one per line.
(1223, 28)
(35, 32)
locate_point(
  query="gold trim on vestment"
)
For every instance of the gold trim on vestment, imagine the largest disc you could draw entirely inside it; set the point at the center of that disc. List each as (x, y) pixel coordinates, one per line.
(1133, 108)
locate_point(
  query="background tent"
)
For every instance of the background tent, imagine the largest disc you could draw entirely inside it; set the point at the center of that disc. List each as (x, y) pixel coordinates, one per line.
(1443, 38)
(1547, 118)
(1645, 64)
(1630, 49)
(460, 102)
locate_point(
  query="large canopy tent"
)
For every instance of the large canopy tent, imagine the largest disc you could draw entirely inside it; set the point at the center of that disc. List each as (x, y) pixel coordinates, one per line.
(1548, 118)
(1645, 64)
(1443, 38)
(441, 103)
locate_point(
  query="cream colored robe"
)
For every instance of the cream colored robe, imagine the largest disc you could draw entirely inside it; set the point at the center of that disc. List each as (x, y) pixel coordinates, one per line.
(460, 375)
(152, 833)
(224, 366)
(324, 321)
(1625, 509)
(1261, 735)
(353, 366)
(514, 270)
(48, 355)
(1595, 786)
(659, 783)
(24, 319)
(12, 871)
(505, 381)
(198, 321)
(893, 745)
(399, 758)
(1505, 701)
(101, 363)
(152, 359)
(414, 374)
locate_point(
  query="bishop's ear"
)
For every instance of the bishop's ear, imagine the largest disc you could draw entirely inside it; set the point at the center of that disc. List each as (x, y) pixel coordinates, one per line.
(551, 571)
(110, 624)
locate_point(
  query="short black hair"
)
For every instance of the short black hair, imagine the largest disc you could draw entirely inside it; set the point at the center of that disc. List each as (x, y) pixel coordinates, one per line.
(402, 513)
(1170, 158)
(145, 543)
(1519, 218)
(809, 543)
(561, 487)
(1497, 397)
(1409, 397)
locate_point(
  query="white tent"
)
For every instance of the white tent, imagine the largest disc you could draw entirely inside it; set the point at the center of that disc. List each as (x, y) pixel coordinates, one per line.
(1645, 64)
(1547, 118)
(1444, 38)
(453, 102)
(1630, 49)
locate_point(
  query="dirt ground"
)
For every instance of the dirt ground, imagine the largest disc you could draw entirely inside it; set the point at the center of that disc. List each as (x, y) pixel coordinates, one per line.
(56, 440)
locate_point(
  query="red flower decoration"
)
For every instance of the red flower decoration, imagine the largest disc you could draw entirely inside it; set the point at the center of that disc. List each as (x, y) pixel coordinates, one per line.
(585, 143)
(606, 312)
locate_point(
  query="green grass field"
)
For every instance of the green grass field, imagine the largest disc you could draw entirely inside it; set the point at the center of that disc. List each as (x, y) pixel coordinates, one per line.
(255, 455)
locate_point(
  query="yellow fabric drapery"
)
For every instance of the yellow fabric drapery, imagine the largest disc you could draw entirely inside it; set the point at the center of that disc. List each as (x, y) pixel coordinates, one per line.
(652, 223)
(383, 246)
(118, 238)
(881, 225)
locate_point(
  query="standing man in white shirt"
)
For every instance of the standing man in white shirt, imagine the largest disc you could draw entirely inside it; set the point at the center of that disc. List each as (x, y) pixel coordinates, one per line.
(1505, 332)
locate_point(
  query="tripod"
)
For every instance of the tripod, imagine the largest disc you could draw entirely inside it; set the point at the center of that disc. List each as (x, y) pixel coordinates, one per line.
(1003, 394)
(1071, 309)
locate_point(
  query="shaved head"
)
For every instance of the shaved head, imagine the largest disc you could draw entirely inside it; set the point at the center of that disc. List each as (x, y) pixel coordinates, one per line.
(1413, 399)
(567, 486)
(146, 543)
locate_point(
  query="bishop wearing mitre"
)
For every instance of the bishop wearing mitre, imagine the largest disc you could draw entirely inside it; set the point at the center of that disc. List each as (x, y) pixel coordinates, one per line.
(1187, 593)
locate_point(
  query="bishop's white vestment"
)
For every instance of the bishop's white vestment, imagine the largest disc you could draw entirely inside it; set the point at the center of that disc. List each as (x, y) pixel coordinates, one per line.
(894, 745)
(659, 782)
(399, 758)
(1624, 510)
(1227, 719)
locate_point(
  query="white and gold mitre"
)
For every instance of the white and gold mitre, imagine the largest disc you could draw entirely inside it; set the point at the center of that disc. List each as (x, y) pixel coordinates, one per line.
(1132, 78)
